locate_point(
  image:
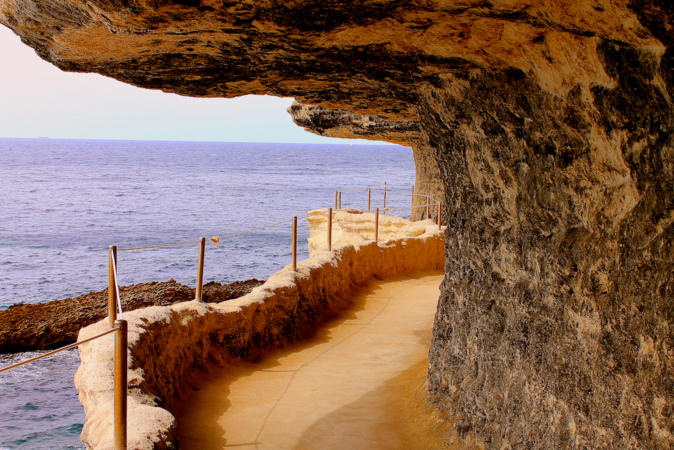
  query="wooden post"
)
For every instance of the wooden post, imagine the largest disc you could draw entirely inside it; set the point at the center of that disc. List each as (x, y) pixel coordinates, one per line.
(112, 290)
(412, 213)
(120, 385)
(330, 230)
(439, 215)
(376, 226)
(428, 206)
(340, 200)
(384, 194)
(295, 243)
(200, 270)
(336, 195)
(369, 198)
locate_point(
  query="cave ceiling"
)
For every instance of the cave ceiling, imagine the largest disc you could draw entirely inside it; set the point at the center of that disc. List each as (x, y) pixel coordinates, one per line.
(369, 57)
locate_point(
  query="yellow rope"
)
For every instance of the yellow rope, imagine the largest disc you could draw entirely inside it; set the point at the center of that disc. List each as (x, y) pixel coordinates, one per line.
(67, 347)
(157, 246)
(399, 186)
(216, 239)
(355, 190)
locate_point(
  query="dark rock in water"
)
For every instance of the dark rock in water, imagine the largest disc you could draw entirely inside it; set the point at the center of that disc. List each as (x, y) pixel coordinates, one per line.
(216, 292)
(53, 324)
(546, 125)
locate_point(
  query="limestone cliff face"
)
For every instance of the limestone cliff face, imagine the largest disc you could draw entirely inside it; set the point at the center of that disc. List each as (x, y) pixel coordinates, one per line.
(550, 126)
(555, 322)
(342, 123)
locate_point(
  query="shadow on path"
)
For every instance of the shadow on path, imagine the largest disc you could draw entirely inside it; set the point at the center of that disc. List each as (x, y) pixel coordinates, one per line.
(344, 387)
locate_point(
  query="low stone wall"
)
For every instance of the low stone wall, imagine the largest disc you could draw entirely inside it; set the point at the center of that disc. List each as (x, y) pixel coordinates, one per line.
(358, 227)
(167, 343)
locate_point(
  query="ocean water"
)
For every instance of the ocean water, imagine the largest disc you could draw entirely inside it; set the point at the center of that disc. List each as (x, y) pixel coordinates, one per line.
(63, 202)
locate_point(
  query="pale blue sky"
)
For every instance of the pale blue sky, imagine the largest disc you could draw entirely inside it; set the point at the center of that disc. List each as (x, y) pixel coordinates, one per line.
(37, 99)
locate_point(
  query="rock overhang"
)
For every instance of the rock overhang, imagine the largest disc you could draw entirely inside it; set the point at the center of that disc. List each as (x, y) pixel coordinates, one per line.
(546, 127)
(370, 57)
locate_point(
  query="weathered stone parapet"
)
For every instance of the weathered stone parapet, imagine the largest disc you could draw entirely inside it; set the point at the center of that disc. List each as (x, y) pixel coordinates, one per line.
(167, 343)
(358, 227)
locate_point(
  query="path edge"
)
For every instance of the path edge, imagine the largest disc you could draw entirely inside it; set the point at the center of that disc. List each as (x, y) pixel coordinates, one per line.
(166, 343)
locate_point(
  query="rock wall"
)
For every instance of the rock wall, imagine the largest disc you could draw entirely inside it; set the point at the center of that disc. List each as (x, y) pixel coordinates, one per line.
(547, 124)
(167, 343)
(555, 322)
(345, 124)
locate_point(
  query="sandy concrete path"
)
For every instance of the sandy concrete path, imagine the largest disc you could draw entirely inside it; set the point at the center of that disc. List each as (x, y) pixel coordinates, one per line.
(351, 386)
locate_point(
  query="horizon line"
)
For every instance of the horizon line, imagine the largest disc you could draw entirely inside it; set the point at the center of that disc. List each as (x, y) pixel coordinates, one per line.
(346, 141)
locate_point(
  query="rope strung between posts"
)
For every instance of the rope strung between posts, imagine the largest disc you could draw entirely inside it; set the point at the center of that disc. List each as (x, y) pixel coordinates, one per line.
(389, 191)
(157, 246)
(47, 355)
(376, 189)
(216, 239)
(355, 190)
(405, 209)
(396, 186)
(363, 211)
(398, 194)
(403, 194)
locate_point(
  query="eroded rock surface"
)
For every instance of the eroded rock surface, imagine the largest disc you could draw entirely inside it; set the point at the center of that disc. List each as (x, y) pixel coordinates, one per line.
(549, 126)
(342, 123)
(53, 324)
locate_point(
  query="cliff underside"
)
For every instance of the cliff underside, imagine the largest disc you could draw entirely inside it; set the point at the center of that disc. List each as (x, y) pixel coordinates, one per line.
(545, 125)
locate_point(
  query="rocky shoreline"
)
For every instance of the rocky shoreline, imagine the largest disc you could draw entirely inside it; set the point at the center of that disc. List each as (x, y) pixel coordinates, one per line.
(53, 324)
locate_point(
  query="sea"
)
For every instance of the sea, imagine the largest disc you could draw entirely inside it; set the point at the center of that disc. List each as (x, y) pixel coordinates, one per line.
(63, 202)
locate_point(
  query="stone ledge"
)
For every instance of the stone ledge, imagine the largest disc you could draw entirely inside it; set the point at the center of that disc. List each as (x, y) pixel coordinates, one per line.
(167, 343)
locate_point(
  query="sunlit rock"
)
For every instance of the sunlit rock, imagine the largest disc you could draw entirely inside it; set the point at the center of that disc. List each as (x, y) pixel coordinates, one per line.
(548, 125)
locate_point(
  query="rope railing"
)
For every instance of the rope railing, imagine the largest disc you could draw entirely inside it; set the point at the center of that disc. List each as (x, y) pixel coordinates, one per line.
(120, 327)
(215, 239)
(120, 357)
(354, 190)
(399, 194)
(405, 209)
(156, 246)
(428, 201)
(54, 352)
(384, 190)
(120, 376)
(397, 186)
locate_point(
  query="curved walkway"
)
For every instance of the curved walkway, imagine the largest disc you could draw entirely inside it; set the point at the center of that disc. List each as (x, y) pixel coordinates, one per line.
(352, 385)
